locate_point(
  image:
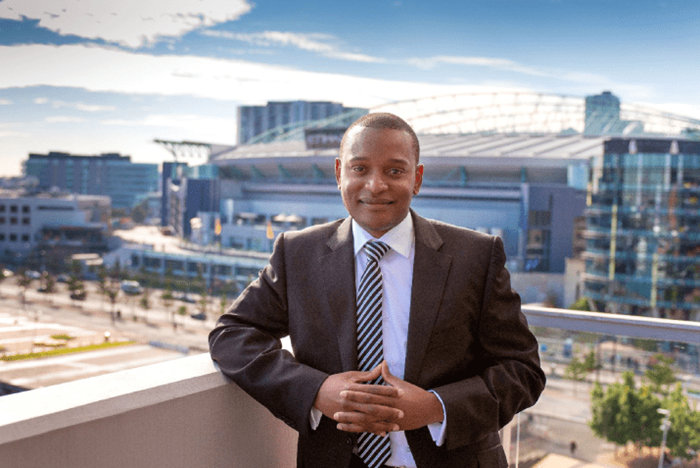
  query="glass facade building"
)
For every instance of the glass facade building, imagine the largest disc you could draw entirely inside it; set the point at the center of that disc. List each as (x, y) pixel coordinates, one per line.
(643, 228)
(125, 182)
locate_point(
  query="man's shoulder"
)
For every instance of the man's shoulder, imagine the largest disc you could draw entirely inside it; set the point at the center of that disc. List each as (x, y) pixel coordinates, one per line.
(450, 232)
(314, 233)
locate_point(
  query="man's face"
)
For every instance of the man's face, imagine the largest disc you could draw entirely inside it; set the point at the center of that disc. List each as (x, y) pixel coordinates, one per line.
(378, 175)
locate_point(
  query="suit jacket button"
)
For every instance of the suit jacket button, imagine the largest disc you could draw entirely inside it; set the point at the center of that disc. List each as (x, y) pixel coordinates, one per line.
(349, 441)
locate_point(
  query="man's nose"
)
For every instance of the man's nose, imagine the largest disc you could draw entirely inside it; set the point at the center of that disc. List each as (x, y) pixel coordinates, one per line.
(376, 183)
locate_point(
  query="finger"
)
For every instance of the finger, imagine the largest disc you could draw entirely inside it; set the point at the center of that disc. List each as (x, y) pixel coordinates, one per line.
(366, 376)
(358, 428)
(352, 421)
(382, 390)
(383, 399)
(354, 411)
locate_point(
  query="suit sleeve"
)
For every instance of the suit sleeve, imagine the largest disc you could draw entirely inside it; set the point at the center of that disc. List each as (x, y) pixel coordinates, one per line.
(506, 377)
(246, 346)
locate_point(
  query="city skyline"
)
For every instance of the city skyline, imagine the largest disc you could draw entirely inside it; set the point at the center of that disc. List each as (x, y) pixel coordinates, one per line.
(89, 77)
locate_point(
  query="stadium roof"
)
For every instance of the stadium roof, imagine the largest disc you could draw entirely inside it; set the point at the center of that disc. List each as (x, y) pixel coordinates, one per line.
(513, 112)
(491, 146)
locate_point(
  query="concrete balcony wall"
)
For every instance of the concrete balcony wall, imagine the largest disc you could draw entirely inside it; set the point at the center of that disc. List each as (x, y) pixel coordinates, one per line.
(181, 413)
(184, 414)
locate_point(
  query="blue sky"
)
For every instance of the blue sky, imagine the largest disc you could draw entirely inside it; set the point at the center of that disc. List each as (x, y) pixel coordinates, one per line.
(94, 76)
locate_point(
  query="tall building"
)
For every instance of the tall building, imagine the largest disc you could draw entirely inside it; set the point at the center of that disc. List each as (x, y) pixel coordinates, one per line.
(256, 120)
(603, 117)
(643, 228)
(109, 174)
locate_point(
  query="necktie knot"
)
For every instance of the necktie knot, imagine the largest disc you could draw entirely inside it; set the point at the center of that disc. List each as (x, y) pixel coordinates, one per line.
(375, 250)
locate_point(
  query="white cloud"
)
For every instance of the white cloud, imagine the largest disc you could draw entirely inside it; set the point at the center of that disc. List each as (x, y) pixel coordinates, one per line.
(583, 83)
(496, 63)
(82, 106)
(63, 119)
(196, 127)
(41, 100)
(113, 70)
(5, 102)
(132, 23)
(319, 43)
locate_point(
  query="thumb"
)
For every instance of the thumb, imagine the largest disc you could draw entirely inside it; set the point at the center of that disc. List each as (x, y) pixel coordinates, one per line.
(366, 376)
(386, 373)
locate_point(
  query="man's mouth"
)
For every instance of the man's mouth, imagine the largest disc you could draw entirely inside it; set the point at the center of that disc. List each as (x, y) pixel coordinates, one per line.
(378, 202)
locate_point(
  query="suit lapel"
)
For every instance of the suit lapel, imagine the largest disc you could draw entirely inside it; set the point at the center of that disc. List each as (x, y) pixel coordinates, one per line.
(430, 269)
(338, 269)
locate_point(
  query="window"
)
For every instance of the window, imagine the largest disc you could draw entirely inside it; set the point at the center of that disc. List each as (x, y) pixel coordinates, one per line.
(539, 218)
(13, 208)
(25, 209)
(13, 220)
(25, 237)
(13, 237)
(2, 237)
(25, 221)
(2, 208)
(151, 262)
(2, 220)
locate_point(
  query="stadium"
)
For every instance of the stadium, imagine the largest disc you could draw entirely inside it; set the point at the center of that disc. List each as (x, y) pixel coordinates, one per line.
(527, 167)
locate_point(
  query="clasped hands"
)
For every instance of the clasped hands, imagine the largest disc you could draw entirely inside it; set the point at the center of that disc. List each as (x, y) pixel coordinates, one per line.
(361, 407)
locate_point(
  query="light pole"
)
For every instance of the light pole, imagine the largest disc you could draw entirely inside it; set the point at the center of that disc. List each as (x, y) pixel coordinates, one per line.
(665, 426)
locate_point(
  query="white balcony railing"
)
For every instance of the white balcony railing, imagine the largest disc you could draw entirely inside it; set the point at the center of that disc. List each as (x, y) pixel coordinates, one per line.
(183, 413)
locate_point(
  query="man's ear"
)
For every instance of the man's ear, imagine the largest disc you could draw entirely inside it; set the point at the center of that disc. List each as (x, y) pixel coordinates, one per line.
(338, 167)
(419, 179)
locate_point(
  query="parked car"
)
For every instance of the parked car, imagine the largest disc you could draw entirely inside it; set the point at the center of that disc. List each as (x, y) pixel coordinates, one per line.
(131, 287)
(187, 298)
(78, 295)
(62, 278)
(33, 274)
(199, 316)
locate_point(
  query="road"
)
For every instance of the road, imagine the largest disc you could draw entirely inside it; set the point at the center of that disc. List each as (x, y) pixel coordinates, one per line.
(42, 318)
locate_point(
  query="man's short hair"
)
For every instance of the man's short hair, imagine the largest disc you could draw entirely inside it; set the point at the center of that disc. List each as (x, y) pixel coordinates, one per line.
(383, 120)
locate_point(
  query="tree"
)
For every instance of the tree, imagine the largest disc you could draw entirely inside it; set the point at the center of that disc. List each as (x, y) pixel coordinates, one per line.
(576, 370)
(182, 310)
(23, 281)
(223, 304)
(581, 304)
(48, 282)
(660, 373)
(145, 303)
(623, 414)
(140, 212)
(203, 302)
(111, 288)
(168, 299)
(76, 287)
(684, 435)
(2, 276)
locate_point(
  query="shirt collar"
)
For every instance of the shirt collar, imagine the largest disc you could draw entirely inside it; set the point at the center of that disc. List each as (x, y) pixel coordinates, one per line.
(399, 238)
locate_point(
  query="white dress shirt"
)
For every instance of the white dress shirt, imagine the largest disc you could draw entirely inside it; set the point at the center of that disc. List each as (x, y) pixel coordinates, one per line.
(397, 278)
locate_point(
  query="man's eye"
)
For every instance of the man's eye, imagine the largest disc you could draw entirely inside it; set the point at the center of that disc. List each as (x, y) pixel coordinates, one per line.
(395, 171)
(358, 169)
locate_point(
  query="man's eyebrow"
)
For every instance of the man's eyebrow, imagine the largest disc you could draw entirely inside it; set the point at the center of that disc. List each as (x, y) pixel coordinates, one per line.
(398, 161)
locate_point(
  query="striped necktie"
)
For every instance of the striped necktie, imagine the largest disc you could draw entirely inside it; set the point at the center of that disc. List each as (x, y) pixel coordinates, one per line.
(373, 449)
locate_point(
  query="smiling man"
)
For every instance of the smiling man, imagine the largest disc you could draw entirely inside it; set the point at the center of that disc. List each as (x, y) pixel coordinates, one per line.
(410, 348)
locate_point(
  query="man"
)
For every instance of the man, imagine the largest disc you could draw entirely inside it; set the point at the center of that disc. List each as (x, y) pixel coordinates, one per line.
(457, 359)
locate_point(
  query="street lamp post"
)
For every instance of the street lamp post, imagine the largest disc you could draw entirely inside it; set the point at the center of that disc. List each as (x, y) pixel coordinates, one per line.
(665, 426)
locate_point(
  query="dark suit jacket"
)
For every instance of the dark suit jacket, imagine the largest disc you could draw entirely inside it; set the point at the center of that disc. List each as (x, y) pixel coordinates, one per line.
(467, 339)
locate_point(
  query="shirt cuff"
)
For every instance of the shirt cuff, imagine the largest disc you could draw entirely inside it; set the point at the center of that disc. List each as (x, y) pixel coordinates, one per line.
(437, 430)
(315, 418)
